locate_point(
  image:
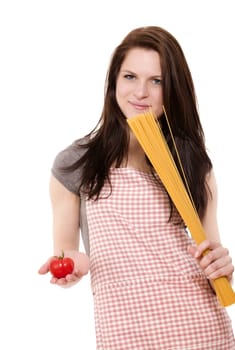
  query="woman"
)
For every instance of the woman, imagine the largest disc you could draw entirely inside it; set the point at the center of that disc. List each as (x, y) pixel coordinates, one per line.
(151, 284)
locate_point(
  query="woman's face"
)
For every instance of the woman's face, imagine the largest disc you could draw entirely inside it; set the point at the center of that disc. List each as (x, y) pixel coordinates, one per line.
(139, 83)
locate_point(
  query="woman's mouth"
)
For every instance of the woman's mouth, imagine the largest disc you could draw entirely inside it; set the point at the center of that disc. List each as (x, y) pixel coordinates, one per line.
(139, 106)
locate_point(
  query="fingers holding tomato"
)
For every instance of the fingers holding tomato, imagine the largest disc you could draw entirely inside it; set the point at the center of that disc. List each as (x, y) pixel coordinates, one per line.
(66, 281)
(66, 269)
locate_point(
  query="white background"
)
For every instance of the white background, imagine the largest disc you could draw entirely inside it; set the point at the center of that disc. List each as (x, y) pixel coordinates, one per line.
(53, 61)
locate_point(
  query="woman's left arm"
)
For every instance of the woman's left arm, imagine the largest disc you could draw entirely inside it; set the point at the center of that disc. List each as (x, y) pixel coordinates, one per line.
(217, 262)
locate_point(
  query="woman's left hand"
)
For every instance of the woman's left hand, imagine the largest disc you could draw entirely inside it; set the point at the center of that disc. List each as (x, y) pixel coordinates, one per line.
(216, 263)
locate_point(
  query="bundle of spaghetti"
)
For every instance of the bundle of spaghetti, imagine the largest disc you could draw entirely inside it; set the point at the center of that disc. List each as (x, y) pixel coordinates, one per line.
(149, 134)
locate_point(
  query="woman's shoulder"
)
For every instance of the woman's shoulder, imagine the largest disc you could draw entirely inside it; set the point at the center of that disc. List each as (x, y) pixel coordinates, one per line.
(62, 167)
(70, 154)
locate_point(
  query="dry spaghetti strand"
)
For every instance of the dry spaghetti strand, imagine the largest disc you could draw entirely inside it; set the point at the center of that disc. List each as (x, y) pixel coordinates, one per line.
(149, 134)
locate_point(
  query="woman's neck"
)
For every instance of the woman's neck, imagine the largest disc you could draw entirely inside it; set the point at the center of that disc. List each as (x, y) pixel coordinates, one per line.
(136, 157)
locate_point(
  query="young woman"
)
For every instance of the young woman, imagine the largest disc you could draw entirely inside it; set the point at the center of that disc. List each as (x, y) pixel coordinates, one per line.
(151, 284)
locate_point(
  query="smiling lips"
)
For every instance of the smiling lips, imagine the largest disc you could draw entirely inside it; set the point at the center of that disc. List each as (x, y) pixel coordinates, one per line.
(139, 106)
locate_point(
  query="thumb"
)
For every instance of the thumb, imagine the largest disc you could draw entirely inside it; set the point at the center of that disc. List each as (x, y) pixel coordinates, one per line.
(192, 250)
(44, 269)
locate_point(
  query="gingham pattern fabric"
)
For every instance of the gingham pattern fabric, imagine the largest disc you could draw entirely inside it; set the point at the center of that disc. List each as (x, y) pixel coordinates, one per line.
(149, 293)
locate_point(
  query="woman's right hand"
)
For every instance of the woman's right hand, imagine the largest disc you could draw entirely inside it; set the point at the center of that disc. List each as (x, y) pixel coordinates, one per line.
(81, 268)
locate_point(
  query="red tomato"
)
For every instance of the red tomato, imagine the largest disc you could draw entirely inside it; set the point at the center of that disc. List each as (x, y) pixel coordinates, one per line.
(61, 266)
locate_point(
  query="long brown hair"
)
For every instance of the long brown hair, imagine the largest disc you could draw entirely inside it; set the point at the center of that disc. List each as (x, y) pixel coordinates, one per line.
(108, 142)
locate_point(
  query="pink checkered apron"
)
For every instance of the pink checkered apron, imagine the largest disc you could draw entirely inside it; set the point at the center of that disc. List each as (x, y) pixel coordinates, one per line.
(149, 293)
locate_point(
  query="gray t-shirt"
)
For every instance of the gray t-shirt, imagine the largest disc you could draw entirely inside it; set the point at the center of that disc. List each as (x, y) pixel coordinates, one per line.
(71, 180)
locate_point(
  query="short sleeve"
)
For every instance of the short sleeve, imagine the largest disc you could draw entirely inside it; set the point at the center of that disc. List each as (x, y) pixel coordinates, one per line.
(68, 156)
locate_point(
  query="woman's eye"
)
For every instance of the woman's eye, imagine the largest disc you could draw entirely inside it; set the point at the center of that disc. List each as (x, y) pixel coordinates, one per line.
(129, 76)
(157, 81)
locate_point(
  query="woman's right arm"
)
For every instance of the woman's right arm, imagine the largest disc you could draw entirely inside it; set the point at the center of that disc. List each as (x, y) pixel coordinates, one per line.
(66, 213)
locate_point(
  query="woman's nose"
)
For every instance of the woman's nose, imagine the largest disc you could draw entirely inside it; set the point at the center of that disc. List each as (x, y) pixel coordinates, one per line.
(141, 90)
